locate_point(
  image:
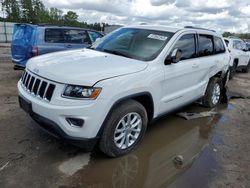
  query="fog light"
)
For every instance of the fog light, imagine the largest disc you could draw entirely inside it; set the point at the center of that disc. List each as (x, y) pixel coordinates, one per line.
(75, 121)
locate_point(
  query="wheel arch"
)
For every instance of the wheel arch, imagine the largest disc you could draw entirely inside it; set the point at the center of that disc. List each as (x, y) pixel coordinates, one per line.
(144, 98)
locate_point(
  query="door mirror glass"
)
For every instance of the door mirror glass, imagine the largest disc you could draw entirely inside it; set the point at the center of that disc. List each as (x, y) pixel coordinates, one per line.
(175, 57)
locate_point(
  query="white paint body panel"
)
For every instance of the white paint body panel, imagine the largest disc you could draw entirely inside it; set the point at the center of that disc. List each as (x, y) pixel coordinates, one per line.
(170, 86)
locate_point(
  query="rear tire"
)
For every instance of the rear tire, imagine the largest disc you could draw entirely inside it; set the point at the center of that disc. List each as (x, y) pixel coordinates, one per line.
(124, 129)
(213, 93)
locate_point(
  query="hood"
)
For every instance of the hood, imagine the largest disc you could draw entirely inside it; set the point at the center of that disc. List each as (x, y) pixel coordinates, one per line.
(83, 67)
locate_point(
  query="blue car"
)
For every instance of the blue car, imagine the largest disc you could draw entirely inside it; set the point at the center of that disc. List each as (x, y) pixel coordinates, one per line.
(32, 40)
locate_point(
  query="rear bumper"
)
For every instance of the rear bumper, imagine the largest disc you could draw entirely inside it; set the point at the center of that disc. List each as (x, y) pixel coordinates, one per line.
(53, 129)
(18, 67)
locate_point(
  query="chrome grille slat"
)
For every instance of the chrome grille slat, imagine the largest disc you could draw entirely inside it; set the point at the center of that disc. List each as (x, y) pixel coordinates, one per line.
(37, 86)
(32, 88)
(27, 79)
(23, 76)
(45, 91)
(28, 85)
(38, 90)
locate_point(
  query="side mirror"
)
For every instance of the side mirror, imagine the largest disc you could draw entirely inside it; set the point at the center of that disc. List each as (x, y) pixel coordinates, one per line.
(175, 57)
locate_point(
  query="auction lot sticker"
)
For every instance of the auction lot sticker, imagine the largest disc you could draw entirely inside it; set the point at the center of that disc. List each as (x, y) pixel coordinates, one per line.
(157, 37)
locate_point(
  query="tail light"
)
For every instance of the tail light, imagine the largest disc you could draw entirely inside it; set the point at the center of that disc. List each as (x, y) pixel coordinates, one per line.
(34, 51)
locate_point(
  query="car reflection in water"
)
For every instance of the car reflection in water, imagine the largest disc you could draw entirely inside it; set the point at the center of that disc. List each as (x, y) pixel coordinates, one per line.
(151, 164)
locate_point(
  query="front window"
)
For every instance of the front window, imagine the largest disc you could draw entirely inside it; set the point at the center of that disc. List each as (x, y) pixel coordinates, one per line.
(140, 44)
(76, 37)
(186, 44)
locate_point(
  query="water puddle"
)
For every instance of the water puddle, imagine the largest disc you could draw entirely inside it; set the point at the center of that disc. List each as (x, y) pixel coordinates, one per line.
(153, 163)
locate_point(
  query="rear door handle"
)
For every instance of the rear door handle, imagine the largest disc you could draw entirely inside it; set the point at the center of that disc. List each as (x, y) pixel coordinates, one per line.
(69, 46)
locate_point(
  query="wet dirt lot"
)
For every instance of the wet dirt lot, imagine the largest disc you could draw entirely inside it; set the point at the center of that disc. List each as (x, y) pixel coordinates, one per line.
(215, 150)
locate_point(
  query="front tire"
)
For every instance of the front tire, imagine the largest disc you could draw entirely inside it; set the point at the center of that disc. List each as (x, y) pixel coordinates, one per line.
(213, 93)
(124, 129)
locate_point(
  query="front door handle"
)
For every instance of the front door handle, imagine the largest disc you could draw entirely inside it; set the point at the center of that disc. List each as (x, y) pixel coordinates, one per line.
(69, 46)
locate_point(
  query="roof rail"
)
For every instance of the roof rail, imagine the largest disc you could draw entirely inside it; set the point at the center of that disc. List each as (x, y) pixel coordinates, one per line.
(192, 27)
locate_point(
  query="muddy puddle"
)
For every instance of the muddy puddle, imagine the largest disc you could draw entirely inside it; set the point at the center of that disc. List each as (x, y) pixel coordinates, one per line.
(153, 163)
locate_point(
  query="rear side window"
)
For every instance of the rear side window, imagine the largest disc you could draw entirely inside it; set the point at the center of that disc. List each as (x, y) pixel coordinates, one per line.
(237, 45)
(76, 37)
(94, 35)
(187, 46)
(205, 45)
(218, 46)
(54, 35)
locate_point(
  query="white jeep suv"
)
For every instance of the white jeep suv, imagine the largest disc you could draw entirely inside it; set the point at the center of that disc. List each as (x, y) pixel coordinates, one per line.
(108, 94)
(240, 55)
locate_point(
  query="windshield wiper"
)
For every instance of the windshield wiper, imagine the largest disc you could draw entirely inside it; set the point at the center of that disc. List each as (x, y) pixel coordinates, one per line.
(116, 53)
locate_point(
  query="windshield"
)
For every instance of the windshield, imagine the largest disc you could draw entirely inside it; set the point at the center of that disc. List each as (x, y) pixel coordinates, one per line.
(140, 44)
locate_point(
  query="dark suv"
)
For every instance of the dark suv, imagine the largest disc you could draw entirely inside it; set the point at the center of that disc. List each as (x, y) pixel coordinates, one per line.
(33, 40)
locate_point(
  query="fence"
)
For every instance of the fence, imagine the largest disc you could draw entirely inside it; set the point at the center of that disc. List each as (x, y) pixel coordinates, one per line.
(6, 29)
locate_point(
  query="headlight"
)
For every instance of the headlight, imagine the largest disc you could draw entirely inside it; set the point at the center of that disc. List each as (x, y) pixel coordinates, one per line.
(81, 92)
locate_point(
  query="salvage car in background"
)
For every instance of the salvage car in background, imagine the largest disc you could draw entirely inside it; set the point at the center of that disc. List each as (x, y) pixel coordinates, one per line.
(248, 46)
(32, 40)
(240, 55)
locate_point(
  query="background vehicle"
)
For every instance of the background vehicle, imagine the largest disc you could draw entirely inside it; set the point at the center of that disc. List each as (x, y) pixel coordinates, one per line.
(248, 46)
(33, 40)
(240, 55)
(109, 92)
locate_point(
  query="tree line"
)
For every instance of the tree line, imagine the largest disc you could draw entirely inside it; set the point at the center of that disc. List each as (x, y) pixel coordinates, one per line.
(35, 12)
(240, 35)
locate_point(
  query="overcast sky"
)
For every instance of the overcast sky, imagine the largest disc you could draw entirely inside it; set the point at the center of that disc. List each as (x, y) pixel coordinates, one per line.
(222, 15)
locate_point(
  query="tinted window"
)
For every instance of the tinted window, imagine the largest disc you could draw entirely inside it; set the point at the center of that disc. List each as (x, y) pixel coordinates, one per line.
(218, 45)
(205, 45)
(54, 35)
(187, 46)
(94, 35)
(76, 37)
